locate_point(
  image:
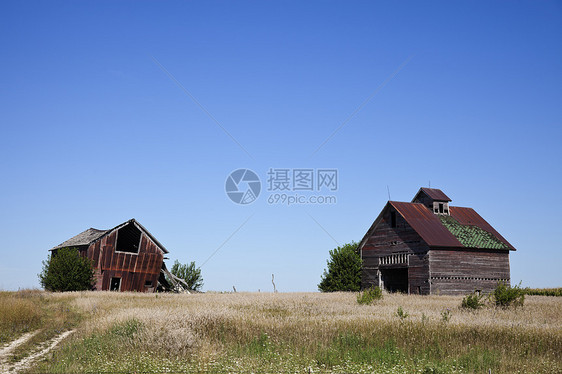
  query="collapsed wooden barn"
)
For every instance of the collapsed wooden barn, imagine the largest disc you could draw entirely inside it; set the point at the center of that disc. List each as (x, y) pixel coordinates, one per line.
(429, 247)
(125, 258)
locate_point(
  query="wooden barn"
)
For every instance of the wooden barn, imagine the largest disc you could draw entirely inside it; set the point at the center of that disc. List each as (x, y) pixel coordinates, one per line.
(429, 247)
(125, 258)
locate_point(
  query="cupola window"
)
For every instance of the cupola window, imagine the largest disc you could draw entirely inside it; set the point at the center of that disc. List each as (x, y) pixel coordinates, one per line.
(441, 207)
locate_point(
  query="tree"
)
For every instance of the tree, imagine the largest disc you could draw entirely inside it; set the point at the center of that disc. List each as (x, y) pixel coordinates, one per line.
(344, 270)
(189, 273)
(66, 270)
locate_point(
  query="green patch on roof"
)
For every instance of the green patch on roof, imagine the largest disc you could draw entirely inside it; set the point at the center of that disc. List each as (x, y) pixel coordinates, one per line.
(471, 236)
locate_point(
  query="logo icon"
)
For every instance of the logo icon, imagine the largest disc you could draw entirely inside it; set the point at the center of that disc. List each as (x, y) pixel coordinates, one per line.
(243, 186)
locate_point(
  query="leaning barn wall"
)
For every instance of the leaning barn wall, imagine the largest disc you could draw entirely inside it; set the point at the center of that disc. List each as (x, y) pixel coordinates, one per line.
(135, 270)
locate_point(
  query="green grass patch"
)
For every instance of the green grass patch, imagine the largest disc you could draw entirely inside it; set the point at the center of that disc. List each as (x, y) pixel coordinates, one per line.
(103, 351)
(350, 347)
(479, 359)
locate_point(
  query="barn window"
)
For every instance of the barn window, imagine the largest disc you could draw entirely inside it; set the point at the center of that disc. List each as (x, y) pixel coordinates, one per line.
(148, 284)
(393, 219)
(128, 239)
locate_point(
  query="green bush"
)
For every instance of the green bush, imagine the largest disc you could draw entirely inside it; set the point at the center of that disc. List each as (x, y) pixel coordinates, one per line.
(472, 301)
(66, 270)
(505, 295)
(344, 270)
(369, 295)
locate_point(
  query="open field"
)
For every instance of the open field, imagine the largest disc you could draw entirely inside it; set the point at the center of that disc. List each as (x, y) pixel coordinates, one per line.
(296, 332)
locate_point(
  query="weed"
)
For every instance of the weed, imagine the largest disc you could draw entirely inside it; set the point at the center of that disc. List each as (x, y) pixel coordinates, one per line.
(369, 296)
(400, 313)
(446, 315)
(472, 301)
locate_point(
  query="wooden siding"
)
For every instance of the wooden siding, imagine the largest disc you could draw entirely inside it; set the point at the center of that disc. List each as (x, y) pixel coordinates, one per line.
(388, 241)
(456, 271)
(133, 269)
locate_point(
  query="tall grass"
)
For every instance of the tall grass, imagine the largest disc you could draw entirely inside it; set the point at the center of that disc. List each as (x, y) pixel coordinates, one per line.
(37, 311)
(301, 331)
(19, 312)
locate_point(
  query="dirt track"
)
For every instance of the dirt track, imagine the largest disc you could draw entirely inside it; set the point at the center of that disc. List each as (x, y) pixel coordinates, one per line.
(37, 352)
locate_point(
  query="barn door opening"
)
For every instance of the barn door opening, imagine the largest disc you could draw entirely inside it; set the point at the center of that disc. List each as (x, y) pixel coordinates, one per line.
(395, 280)
(115, 284)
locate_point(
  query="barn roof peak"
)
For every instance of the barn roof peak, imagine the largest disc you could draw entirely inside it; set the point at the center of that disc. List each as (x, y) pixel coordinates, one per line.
(434, 194)
(91, 235)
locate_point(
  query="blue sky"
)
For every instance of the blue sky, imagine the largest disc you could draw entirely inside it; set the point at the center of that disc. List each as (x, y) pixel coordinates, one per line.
(463, 95)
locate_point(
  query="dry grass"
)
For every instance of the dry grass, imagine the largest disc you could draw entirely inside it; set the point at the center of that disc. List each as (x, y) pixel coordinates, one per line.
(19, 313)
(33, 310)
(298, 331)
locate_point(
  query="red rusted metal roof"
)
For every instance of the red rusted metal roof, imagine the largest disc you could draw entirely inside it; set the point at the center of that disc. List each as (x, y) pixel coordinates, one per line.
(426, 224)
(431, 229)
(468, 216)
(434, 193)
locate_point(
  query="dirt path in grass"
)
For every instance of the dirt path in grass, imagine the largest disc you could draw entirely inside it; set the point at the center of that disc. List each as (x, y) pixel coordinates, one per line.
(8, 349)
(41, 350)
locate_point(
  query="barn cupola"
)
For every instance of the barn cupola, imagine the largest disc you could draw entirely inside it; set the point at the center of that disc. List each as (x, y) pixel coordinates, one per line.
(434, 199)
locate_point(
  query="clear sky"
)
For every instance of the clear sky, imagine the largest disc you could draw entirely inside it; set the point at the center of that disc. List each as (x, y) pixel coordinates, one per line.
(114, 110)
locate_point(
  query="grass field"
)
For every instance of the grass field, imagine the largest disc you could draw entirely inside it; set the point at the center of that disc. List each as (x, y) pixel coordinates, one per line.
(292, 332)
